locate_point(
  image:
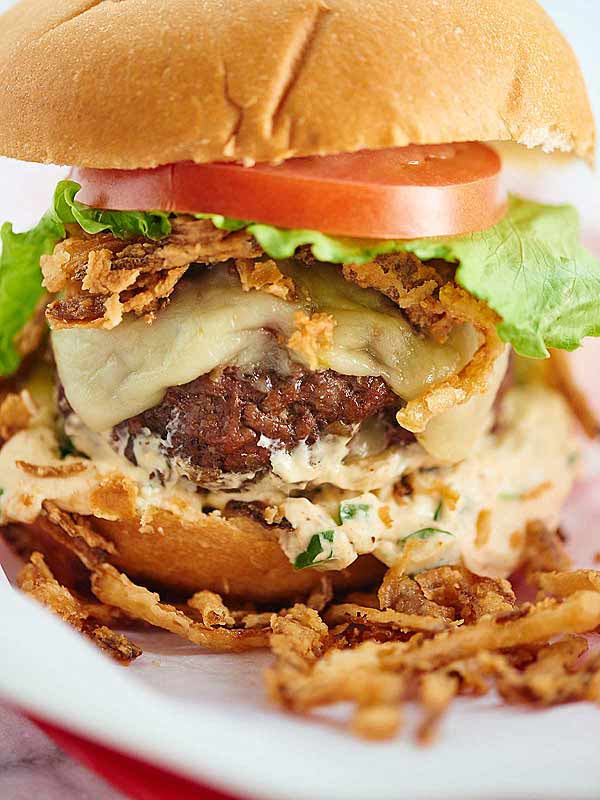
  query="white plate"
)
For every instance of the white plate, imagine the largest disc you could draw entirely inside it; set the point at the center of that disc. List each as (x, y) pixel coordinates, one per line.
(206, 716)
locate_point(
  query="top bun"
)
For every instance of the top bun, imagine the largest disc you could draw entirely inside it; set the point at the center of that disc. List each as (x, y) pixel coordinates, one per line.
(137, 83)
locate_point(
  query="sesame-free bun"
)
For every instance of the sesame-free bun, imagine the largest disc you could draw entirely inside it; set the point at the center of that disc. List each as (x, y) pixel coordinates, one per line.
(137, 83)
(236, 557)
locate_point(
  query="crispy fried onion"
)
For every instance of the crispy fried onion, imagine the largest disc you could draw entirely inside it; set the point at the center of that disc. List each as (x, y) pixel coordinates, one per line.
(402, 593)
(564, 584)
(373, 617)
(264, 276)
(52, 470)
(75, 533)
(475, 638)
(469, 596)
(473, 378)
(213, 611)
(544, 550)
(16, 412)
(313, 334)
(114, 588)
(434, 304)
(426, 639)
(101, 278)
(204, 621)
(511, 651)
(37, 580)
(411, 285)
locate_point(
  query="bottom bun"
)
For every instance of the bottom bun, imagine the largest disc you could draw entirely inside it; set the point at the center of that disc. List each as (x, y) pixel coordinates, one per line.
(236, 557)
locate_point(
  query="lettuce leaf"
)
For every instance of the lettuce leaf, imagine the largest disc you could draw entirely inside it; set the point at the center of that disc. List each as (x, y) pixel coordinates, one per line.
(20, 283)
(531, 268)
(123, 224)
(20, 274)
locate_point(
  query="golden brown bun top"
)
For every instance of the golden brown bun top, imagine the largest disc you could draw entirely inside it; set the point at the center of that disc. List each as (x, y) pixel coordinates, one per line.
(136, 83)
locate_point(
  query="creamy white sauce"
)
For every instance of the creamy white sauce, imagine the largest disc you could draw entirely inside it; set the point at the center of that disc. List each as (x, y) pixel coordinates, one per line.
(23, 494)
(523, 472)
(109, 376)
(520, 473)
(328, 461)
(331, 459)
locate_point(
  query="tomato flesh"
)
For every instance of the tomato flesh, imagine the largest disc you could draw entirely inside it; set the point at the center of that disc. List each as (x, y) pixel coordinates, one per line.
(396, 193)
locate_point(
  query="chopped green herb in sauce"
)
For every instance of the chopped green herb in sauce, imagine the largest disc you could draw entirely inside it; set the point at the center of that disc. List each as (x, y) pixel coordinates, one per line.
(424, 533)
(438, 512)
(314, 550)
(67, 448)
(353, 510)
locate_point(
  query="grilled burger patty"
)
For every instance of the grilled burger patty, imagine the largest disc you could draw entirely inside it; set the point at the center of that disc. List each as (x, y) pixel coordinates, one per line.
(215, 423)
(219, 423)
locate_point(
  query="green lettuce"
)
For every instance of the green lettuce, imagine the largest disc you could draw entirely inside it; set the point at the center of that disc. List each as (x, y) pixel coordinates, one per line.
(531, 268)
(123, 224)
(20, 283)
(20, 275)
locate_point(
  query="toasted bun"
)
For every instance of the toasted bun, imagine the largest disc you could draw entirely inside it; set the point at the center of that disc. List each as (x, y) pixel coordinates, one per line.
(236, 557)
(144, 82)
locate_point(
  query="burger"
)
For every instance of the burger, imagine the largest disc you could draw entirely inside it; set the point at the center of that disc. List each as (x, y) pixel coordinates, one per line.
(297, 325)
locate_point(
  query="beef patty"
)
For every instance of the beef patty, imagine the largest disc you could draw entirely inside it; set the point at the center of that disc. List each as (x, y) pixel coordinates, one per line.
(215, 423)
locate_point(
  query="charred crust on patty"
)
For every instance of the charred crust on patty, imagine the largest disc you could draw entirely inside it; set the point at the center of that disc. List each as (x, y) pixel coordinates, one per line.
(215, 424)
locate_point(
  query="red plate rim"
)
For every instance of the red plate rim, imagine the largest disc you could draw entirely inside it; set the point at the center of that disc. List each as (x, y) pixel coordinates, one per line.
(131, 775)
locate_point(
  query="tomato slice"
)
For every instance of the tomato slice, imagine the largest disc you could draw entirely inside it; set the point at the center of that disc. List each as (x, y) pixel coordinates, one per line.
(397, 193)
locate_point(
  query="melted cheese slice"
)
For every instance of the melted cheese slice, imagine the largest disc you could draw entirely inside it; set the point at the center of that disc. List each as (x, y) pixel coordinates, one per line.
(110, 376)
(451, 435)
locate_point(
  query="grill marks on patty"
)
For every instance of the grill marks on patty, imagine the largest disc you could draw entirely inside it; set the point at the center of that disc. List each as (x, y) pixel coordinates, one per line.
(214, 424)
